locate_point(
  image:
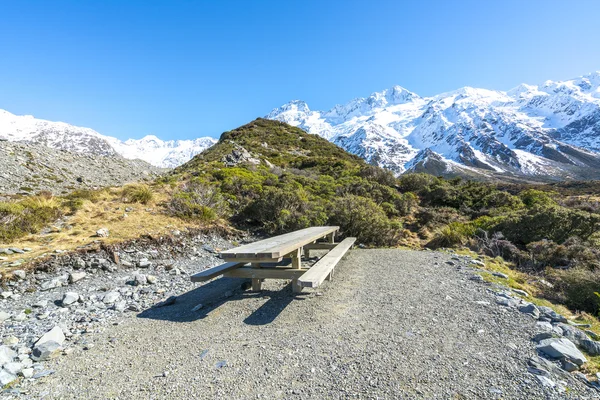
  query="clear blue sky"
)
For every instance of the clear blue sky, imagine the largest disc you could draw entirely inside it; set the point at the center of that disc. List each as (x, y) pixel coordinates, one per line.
(183, 69)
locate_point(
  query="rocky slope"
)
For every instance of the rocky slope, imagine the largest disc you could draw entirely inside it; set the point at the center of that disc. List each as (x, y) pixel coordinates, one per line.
(28, 168)
(546, 131)
(62, 136)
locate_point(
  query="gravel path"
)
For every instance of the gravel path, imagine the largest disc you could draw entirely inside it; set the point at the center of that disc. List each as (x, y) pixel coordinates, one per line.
(393, 324)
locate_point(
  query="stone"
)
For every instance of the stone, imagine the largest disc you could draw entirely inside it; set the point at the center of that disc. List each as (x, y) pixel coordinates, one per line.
(6, 355)
(592, 334)
(476, 278)
(521, 292)
(10, 340)
(20, 317)
(575, 335)
(13, 367)
(43, 373)
(569, 366)
(478, 263)
(4, 316)
(507, 302)
(27, 372)
(55, 334)
(111, 297)
(561, 348)
(199, 306)
(140, 279)
(144, 263)
(151, 279)
(50, 284)
(102, 232)
(120, 306)
(500, 275)
(591, 347)
(19, 273)
(16, 250)
(69, 298)
(6, 294)
(551, 314)
(6, 377)
(46, 351)
(530, 309)
(79, 263)
(40, 304)
(169, 301)
(76, 276)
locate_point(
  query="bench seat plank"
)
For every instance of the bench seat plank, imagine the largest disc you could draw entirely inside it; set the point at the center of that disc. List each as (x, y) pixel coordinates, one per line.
(265, 273)
(279, 246)
(322, 268)
(213, 272)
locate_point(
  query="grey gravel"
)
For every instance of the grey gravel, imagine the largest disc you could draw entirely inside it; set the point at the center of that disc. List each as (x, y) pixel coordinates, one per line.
(391, 325)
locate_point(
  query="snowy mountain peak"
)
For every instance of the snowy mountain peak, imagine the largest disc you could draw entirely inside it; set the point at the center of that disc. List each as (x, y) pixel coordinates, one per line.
(550, 130)
(60, 135)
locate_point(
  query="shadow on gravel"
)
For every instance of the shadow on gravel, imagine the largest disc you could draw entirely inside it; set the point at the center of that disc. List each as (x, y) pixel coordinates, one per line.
(213, 295)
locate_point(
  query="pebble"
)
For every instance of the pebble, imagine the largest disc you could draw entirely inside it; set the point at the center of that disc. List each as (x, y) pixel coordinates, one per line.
(19, 273)
(76, 276)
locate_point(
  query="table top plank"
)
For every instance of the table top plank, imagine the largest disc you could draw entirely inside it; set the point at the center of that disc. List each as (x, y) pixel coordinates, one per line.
(279, 246)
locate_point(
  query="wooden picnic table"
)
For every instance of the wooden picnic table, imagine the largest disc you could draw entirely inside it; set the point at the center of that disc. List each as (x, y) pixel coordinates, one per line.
(265, 258)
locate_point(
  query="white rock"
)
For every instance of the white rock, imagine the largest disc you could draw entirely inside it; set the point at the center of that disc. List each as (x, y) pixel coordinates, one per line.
(102, 232)
(76, 276)
(6, 377)
(6, 294)
(13, 367)
(20, 317)
(110, 297)
(27, 372)
(4, 316)
(151, 279)
(53, 335)
(40, 304)
(10, 340)
(19, 273)
(6, 355)
(69, 298)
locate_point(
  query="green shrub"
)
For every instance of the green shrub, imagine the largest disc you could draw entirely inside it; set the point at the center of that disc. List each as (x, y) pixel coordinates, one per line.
(364, 219)
(137, 193)
(197, 201)
(576, 288)
(453, 234)
(533, 197)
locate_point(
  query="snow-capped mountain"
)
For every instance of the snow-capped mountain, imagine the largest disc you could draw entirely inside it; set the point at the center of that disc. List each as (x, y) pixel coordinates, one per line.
(550, 130)
(60, 135)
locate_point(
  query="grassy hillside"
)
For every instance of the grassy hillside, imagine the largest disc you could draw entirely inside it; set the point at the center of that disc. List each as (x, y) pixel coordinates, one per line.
(269, 177)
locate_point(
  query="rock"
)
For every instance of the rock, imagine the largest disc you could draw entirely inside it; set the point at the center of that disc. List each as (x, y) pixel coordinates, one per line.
(169, 301)
(102, 232)
(111, 297)
(13, 367)
(76, 276)
(144, 263)
(6, 377)
(521, 292)
(50, 284)
(120, 306)
(592, 334)
(46, 351)
(10, 340)
(4, 316)
(79, 263)
(569, 366)
(575, 335)
(41, 374)
(175, 271)
(199, 306)
(55, 334)
(530, 309)
(40, 304)
(551, 314)
(476, 278)
(6, 294)
(140, 279)
(478, 263)
(591, 347)
(20, 317)
(19, 273)
(27, 372)
(69, 298)
(16, 250)
(561, 348)
(6, 355)
(500, 275)
(151, 279)
(507, 302)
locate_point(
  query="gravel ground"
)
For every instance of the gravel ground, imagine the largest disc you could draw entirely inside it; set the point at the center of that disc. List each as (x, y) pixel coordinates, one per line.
(392, 324)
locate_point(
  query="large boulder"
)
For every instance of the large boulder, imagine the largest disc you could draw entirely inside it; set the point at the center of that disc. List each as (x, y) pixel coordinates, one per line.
(561, 348)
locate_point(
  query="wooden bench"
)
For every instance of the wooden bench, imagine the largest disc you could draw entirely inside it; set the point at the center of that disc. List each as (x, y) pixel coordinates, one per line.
(265, 258)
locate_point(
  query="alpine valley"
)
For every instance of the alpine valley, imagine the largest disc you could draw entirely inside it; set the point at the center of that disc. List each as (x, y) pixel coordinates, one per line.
(545, 132)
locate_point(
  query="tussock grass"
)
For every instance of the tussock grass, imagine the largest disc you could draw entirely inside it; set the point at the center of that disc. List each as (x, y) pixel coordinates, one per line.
(137, 193)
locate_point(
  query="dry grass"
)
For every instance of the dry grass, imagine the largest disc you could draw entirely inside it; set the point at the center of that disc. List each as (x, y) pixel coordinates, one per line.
(106, 211)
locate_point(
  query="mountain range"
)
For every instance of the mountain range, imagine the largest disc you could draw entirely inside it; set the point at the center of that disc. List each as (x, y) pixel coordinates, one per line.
(547, 131)
(62, 136)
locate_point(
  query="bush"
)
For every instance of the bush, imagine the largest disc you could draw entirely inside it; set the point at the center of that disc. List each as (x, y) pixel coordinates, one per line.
(576, 288)
(533, 197)
(74, 200)
(18, 219)
(362, 218)
(137, 193)
(197, 201)
(453, 234)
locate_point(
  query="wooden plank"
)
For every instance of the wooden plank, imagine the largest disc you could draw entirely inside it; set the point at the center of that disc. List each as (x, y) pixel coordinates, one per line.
(324, 267)
(256, 282)
(213, 272)
(320, 246)
(296, 259)
(279, 246)
(266, 273)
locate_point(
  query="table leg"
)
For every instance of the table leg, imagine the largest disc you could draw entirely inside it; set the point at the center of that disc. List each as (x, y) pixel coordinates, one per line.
(296, 264)
(256, 282)
(331, 237)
